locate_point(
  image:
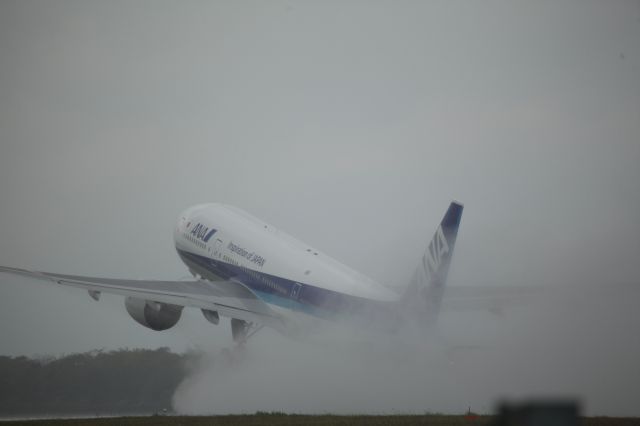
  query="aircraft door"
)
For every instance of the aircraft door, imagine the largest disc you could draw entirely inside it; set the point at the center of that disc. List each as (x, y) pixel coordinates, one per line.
(295, 294)
(217, 248)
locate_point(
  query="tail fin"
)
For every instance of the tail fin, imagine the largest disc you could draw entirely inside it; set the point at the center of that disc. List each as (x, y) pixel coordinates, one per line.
(423, 296)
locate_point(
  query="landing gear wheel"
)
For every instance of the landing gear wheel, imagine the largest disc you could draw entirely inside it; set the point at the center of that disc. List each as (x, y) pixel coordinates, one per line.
(241, 330)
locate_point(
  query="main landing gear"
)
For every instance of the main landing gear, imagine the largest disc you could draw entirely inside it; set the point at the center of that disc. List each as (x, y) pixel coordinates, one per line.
(241, 330)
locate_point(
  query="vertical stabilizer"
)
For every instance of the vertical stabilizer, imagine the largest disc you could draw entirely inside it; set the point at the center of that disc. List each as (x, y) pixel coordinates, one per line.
(423, 296)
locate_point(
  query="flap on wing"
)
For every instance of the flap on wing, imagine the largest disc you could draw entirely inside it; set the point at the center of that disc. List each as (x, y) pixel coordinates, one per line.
(230, 298)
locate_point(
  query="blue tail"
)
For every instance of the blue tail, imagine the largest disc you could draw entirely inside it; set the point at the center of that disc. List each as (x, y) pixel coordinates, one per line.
(423, 296)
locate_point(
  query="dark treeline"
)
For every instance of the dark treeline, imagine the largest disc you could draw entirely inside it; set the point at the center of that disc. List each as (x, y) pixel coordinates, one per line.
(123, 381)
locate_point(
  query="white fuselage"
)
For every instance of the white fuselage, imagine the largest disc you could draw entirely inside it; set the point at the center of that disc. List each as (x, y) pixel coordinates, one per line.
(217, 241)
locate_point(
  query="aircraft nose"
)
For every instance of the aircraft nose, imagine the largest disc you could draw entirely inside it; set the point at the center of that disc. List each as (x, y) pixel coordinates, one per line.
(185, 218)
(183, 222)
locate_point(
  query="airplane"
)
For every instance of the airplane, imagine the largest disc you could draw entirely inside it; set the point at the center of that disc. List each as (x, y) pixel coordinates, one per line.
(257, 275)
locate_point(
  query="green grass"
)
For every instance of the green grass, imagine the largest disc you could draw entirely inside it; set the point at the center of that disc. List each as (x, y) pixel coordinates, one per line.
(264, 419)
(277, 419)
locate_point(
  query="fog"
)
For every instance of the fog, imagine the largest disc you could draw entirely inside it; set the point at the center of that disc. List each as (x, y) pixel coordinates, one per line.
(537, 351)
(350, 125)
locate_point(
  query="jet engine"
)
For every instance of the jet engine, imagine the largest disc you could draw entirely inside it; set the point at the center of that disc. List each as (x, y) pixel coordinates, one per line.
(154, 315)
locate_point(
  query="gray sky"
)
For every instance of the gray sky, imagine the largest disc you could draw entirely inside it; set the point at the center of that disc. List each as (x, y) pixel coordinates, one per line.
(351, 125)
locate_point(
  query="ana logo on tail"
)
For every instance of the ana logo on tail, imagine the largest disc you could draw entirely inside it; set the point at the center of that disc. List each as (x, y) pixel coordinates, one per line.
(432, 259)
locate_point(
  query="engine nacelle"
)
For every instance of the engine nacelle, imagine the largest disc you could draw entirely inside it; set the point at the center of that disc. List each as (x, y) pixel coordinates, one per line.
(154, 315)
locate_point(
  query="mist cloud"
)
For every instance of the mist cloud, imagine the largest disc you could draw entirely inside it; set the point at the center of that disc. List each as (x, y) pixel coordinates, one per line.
(575, 343)
(350, 125)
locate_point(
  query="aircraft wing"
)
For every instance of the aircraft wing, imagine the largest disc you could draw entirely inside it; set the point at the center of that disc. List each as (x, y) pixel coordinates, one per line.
(230, 298)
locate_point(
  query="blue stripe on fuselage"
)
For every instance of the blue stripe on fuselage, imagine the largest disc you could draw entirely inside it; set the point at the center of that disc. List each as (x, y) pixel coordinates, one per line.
(312, 300)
